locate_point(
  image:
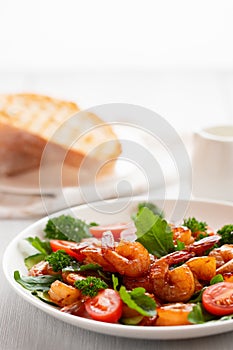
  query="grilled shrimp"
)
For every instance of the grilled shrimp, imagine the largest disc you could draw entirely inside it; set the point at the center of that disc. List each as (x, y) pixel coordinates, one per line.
(42, 268)
(96, 256)
(62, 294)
(201, 246)
(183, 234)
(224, 259)
(222, 254)
(71, 277)
(176, 285)
(141, 281)
(128, 258)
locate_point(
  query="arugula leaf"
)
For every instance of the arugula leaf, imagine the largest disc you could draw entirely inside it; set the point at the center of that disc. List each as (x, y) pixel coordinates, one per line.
(66, 227)
(39, 283)
(199, 315)
(91, 266)
(216, 279)
(154, 233)
(41, 246)
(139, 301)
(115, 282)
(197, 297)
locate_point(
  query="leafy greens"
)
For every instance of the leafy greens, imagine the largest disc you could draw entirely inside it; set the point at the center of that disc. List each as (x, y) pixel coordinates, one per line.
(154, 233)
(66, 227)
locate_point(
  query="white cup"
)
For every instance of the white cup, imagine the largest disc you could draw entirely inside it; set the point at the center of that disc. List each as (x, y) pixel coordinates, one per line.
(212, 163)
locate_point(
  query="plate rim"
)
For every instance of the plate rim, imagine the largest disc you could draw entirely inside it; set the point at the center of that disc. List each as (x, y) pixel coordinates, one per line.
(149, 332)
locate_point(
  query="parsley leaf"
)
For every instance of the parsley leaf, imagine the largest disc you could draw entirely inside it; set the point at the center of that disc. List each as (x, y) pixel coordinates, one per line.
(154, 233)
(194, 225)
(226, 233)
(139, 301)
(58, 260)
(90, 286)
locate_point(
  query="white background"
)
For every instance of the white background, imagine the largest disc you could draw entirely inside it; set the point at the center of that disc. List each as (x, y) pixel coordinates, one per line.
(175, 57)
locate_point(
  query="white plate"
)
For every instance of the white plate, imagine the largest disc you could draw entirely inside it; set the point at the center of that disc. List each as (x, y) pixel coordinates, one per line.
(215, 214)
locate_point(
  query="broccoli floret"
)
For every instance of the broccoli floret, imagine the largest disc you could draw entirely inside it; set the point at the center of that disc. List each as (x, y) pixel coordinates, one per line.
(226, 233)
(66, 227)
(195, 226)
(58, 260)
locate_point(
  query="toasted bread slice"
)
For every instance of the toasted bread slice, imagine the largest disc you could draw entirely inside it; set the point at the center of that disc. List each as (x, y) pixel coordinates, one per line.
(28, 122)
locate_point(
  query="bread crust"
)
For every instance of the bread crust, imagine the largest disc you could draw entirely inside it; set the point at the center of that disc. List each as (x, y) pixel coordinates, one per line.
(28, 122)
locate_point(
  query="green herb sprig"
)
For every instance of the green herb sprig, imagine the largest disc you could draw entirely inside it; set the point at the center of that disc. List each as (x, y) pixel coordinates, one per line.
(90, 286)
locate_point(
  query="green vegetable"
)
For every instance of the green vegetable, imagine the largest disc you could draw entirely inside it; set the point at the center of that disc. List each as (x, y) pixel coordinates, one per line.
(38, 283)
(33, 260)
(66, 227)
(216, 279)
(180, 245)
(139, 301)
(226, 233)
(75, 266)
(131, 320)
(154, 233)
(41, 246)
(115, 282)
(44, 297)
(58, 260)
(197, 297)
(194, 225)
(199, 315)
(91, 285)
(91, 266)
(154, 208)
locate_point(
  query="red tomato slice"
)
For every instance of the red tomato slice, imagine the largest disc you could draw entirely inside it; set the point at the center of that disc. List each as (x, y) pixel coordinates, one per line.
(71, 248)
(218, 299)
(106, 306)
(116, 230)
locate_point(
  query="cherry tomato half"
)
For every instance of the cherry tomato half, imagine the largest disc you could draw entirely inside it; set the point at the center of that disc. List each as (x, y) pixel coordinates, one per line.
(71, 248)
(116, 230)
(106, 306)
(218, 299)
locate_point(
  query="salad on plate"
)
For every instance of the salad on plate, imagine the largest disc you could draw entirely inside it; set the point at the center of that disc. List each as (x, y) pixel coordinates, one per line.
(145, 272)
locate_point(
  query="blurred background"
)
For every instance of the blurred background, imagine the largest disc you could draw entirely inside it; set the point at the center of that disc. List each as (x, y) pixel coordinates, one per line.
(174, 57)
